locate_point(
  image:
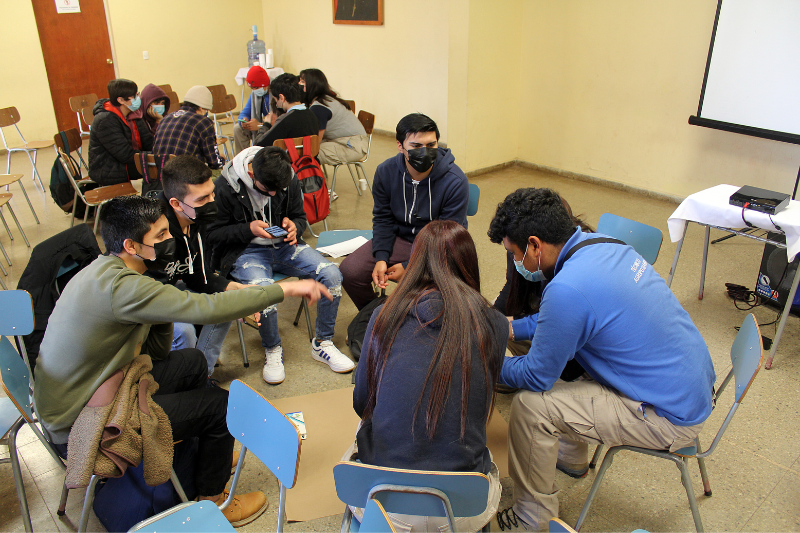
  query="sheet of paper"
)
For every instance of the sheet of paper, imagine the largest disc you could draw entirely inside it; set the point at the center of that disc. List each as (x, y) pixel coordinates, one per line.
(343, 248)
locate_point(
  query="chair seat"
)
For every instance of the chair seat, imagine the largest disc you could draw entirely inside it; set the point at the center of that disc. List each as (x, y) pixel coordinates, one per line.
(4, 198)
(689, 451)
(8, 415)
(221, 140)
(6, 179)
(36, 145)
(103, 194)
(203, 516)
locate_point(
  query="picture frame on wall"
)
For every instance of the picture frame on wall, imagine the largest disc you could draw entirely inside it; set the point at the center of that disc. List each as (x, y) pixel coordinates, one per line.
(362, 12)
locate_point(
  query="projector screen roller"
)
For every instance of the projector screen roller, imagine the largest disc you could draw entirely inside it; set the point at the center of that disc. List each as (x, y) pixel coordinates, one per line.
(752, 79)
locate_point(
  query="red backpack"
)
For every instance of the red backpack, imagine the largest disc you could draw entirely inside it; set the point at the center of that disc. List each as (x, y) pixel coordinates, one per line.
(316, 201)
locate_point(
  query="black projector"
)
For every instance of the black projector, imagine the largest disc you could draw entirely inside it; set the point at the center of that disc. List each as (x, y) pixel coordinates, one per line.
(770, 202)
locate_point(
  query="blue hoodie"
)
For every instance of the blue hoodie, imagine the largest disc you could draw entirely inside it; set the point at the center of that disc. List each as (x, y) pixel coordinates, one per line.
(403, 207)
(614, 314)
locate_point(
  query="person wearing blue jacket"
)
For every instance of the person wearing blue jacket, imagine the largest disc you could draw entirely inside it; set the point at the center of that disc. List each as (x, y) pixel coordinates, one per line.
(254, 117)
(648, 373)
(420, 184)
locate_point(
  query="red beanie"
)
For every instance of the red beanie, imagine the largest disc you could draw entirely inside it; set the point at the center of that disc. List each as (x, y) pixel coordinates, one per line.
(257, 77)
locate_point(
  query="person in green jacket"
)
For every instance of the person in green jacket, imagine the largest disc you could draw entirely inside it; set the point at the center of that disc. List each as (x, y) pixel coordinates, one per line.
(109, 313)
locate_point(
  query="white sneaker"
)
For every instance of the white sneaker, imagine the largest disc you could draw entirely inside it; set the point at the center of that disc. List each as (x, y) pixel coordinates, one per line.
(329, 354)
(273, 366)
(333, 195)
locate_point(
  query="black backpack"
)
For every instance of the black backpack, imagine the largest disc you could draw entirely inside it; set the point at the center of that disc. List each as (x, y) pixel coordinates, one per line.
(358, 327)
(60, 187)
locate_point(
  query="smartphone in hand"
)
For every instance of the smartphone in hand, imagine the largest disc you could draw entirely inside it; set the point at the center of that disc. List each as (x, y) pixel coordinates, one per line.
(276, 231)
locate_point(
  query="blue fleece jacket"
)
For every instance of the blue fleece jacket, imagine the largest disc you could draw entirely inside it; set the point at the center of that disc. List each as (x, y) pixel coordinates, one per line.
(614, 314)
(245, 113)
(402, 207)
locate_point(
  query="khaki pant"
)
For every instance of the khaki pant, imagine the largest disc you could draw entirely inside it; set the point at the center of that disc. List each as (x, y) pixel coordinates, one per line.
(343, 150)
(579, 413)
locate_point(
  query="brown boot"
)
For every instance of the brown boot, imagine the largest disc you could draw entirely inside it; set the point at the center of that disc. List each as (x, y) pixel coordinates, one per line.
(244, 508)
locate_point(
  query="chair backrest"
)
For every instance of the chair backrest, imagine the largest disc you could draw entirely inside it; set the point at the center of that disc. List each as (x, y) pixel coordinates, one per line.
(467, 491)
(16, 313)
(375, 519)
(474, 198)
(167, 88)
(230, 102)
(298, 143)
(218, 93)
(367, 120)
(352, 105)
(646, 240)
(8, 116)
(265, 431)
(15, 375)
(174, 101)
(76, 103)
(88, 115)
(73, 139)
(556, 525)
(747, 354)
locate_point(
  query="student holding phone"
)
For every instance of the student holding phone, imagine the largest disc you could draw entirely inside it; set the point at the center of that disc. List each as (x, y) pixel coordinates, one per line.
(257, 232)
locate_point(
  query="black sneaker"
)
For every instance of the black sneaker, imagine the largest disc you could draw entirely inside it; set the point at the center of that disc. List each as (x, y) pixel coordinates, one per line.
(507, 519)
(212, 383)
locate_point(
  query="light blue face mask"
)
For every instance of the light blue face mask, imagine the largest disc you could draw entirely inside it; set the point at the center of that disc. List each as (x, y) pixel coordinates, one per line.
(134, 105)
(537, 276)
(159, 109)
(261, 91)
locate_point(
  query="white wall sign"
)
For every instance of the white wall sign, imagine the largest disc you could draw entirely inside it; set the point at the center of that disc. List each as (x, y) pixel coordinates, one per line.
(68, 6)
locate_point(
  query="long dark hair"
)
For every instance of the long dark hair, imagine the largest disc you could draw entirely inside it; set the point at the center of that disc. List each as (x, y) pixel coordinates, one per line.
(444, 259)
(317, 88)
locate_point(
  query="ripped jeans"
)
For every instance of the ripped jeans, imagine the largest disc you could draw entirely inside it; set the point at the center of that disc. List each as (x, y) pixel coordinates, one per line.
(256, 266)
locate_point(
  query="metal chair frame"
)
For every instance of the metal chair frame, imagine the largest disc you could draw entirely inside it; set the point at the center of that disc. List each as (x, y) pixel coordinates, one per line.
(747, 353)
(29, 147)
(4, 202)
(8, 179)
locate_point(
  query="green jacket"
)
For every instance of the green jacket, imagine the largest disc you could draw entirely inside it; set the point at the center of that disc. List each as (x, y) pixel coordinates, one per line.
(107, 315)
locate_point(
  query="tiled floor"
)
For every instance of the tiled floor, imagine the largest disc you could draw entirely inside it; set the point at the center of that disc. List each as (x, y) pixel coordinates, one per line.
(755, 472)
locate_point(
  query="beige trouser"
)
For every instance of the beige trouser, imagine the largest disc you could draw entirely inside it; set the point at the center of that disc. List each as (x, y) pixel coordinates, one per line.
(241, 138)
(343, 150)
(580, 413)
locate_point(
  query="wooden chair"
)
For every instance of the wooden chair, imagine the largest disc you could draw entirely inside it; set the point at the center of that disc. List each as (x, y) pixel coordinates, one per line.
(352, 105)
(88, 116)
(75, 144)
(94, 197)
(8, 179)
(221, 105)
(78, 104)
(747, 354)
(10, 117)
(413, 492)
(167, 88)
(4, 199)
(368, 121)
(174, 102)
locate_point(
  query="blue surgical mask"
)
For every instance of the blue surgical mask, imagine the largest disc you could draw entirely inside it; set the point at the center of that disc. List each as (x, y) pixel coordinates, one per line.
(261, 91)
(159, 109)
(534, 277)
(134, 105)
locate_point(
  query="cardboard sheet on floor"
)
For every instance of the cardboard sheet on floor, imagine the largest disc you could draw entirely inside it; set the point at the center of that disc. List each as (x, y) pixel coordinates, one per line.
(331, 426)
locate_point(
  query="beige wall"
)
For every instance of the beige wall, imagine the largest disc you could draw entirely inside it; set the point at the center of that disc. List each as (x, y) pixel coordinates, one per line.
(609, 86)
(24, 81)
(389, 70)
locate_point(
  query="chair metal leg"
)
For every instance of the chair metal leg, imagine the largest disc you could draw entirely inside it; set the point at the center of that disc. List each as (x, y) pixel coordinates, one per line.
(347, 517)
(364, 172)
(687, 484)
(8, 161)
(312, 231)
(87, 503)
(297, 316)
(308, 320)
(74, 204)
(2, 249)
(29, 201)
(701, 462)
(33, 167)
(62, 506)
(325, 223)
(241, 343)
(355, 181)
(178, 487)
(596, 456)
(12, 453)
(2, 284)
(282, 508)
(598, 480)
(47, 446)
(97, 217)
(19, 226)
(333, 181)
(8, 230)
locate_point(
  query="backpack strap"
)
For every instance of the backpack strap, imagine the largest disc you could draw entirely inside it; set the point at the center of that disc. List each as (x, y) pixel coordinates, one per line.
(291, 150)
(589, 242)
(307, 146)
(64, 141)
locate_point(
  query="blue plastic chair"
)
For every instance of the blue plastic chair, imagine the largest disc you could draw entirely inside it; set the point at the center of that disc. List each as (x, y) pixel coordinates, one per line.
(414, 492)
(198, 517)
(556, 525)
(746, 357)
(375, 519)
(646, 240)
(263, 430)
(474, 198)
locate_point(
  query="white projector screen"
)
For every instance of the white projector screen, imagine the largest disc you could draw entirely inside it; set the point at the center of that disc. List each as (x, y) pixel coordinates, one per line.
(752, 79)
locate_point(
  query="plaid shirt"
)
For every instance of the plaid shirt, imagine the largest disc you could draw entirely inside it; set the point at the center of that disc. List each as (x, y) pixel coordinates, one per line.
(188, 132)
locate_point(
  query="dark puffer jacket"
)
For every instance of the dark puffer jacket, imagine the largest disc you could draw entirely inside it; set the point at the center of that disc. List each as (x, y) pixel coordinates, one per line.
(110, 148)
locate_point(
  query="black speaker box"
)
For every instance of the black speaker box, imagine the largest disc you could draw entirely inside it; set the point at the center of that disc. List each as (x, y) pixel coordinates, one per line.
(775, 276)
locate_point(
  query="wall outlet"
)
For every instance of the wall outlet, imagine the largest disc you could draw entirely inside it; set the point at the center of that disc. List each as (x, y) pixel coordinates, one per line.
(145, 55)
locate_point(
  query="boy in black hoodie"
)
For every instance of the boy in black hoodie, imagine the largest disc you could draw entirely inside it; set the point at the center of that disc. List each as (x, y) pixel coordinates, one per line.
(189, 200)
(420, 184)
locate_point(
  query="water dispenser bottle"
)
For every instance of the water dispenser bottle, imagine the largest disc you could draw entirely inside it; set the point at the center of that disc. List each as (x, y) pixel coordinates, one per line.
(254, 48)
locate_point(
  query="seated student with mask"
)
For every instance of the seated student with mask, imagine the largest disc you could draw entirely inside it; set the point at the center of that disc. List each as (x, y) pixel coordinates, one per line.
(110, 313)
(298, 121)
(649, 374)
(420, 408)
(189, 205)
(254, 118)
(114, 138)
(189, 130)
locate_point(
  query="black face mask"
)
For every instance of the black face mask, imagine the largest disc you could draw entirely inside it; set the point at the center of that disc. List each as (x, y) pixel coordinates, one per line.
(422, 159)
(165, 254)
(258, 189)
(205, 214)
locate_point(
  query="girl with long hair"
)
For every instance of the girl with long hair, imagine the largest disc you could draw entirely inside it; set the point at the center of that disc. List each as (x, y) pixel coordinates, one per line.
(343, 138)
(425, 382)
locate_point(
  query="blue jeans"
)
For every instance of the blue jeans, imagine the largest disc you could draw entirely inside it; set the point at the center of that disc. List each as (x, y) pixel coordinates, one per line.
(256, 266)
(210, 341)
